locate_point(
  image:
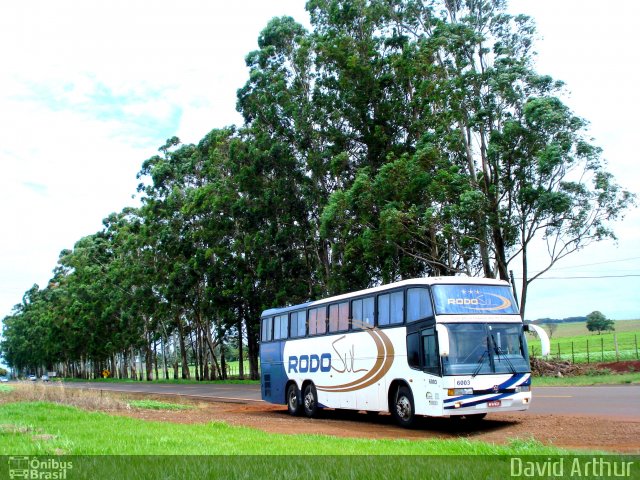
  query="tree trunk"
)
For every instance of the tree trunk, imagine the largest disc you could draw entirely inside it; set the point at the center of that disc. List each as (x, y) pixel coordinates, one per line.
(125, 365)
(240, 352)
(525, 283)
(163, 346)
(155, 358)
(183, 350)
(148, 359)
(223, 361)
(132, 358)
(253, 349)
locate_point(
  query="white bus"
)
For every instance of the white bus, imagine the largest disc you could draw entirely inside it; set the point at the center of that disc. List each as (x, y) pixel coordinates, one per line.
(446, 346)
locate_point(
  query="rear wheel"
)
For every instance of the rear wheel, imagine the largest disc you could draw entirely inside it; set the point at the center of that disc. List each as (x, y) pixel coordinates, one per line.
(403, 409)
(310, 401)
(293, 400)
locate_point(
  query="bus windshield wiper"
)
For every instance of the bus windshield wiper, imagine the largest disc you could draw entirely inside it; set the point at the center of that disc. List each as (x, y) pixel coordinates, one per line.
(485, 354)
(499, 352)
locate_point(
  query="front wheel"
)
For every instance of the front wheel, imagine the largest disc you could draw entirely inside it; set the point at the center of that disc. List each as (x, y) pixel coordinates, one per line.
(293, 400)
(403, 409)
(310, 401)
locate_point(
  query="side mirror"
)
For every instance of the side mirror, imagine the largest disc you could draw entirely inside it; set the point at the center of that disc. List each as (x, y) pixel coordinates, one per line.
(443, 339)
(542, 335)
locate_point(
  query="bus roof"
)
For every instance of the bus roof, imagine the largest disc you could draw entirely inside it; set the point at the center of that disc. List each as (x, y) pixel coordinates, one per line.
(390, 286)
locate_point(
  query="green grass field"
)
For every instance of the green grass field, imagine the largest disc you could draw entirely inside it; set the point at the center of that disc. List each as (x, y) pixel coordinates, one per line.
(572, 341)
(158, 405)
(575, 329)
(30, 428)
(588, 380)
(98, 445)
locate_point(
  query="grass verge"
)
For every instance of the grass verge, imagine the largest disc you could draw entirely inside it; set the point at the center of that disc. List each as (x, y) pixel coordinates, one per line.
(588, 380)
(158, 405)
(30, 428)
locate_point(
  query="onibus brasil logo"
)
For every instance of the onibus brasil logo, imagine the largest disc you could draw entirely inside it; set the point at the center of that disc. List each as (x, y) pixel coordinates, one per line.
(38, 468)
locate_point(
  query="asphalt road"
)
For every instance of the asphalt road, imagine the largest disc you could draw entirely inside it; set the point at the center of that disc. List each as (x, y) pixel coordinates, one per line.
(612, 401)
(228, 392)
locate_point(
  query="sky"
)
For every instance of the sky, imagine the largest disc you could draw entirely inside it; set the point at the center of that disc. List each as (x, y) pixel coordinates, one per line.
(89, 90)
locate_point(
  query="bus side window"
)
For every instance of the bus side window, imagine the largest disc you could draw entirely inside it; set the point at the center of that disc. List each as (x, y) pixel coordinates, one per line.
(418, 304)
(390, 308)
(298, 324)
(430, 352)
(267, 324)
(413, 350)
(318, 321)
(362, 313)
(339, 317)
(293, 325)
(313, 313)
(280, 327)
(322, 321)
(302, 323)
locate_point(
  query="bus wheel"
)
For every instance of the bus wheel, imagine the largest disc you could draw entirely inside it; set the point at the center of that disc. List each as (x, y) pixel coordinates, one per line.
(403, 408)
(310, 401)
(293, 400)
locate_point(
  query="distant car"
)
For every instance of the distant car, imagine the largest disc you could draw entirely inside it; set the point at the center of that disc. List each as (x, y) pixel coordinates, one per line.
(44, 378)
(33, 378)
(4, 379)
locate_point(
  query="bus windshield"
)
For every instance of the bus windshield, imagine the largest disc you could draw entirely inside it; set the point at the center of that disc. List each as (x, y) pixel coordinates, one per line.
(473, 299)
(486, 348)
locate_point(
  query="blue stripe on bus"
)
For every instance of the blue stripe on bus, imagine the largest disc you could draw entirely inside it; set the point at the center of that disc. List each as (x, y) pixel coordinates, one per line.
(513, 380)
(478, 402)
(503, 386)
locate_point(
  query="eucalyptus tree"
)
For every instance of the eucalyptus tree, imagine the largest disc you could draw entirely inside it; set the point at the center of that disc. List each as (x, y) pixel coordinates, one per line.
(506, 161)
(26, 333)
(532, 171)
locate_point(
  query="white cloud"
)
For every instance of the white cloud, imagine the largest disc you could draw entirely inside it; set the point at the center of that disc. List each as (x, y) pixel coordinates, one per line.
(90, 90)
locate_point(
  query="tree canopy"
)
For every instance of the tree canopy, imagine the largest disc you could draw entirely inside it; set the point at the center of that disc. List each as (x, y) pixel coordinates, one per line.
(597, 322)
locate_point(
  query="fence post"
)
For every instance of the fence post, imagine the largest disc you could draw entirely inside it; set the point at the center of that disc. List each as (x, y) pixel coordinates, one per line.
(533, 350)
(615, 342)
(573, 358)
(587, 350)
(602, 348)
(636, 339)
(558, 351)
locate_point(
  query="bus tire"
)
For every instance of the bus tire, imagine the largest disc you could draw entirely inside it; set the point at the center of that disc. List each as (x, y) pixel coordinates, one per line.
(293, 400)
(403, 408)
(310, 401)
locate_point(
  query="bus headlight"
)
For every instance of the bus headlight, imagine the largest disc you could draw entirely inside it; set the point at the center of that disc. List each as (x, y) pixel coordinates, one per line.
(460, 391)
(523, 388)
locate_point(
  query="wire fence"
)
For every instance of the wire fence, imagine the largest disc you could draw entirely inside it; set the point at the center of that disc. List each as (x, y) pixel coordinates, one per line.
(593, 350)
